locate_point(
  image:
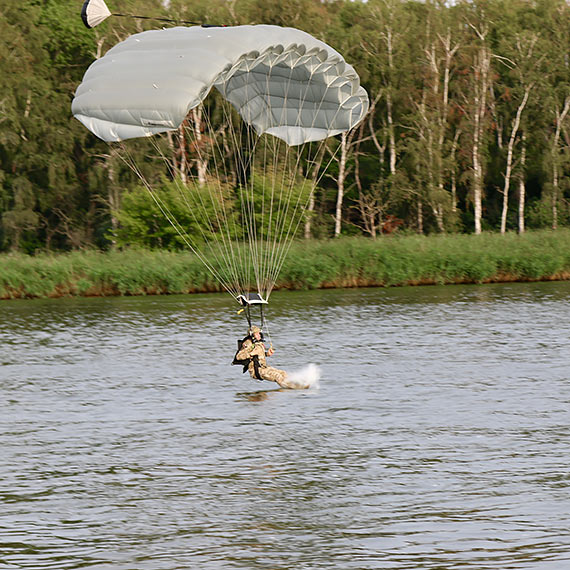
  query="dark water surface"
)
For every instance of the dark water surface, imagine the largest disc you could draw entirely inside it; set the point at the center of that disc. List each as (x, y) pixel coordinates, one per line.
(439, 437)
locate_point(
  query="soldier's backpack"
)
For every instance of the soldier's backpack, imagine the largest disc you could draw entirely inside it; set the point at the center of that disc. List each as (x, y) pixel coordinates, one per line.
(245, 361)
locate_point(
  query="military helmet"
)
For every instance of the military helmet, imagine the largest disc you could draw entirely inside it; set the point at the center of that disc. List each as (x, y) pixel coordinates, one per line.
(254, 329)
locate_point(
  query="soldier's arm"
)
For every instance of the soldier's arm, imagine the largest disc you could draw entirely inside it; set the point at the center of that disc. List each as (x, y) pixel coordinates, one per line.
(246, 349)
(258, 349)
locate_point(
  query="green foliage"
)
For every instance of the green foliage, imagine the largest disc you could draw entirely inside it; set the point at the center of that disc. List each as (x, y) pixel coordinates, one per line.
(61, 188)
(278, 204)
(346, 262)
(198, 215)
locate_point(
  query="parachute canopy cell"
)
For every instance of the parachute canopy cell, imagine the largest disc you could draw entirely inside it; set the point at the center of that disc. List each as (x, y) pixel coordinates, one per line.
(282, 81)
(94, 12)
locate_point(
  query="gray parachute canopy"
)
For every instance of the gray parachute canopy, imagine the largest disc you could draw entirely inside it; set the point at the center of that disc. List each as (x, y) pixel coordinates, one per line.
(282, 81)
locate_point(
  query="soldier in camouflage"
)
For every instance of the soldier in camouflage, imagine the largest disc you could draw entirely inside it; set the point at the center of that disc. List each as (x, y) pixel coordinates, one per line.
(253, 347)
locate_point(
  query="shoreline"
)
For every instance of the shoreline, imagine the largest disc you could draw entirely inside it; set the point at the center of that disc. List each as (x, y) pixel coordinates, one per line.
(390, 261)
(23, 295)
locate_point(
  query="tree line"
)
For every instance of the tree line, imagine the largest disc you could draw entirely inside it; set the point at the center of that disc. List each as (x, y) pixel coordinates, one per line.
(468, 129)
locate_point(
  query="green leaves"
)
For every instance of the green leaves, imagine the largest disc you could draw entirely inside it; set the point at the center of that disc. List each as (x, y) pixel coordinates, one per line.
(59, 190)
(174, 214)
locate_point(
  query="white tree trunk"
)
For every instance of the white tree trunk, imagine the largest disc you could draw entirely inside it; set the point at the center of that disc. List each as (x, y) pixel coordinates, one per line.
(522, 189)
(340, 183)
(309, 215)
(182, 163)
(114, 198)
(509, 168)
(391, 137)
(560, 117)
(202, 159)
(314, 181)
(482, 69)
(453, 176)
(477, 177)
(389, 114)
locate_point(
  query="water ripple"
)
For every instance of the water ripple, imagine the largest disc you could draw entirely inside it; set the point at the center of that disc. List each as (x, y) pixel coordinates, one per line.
(437, 440)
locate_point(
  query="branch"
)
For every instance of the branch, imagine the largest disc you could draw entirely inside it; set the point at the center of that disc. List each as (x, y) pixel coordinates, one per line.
(503, 60)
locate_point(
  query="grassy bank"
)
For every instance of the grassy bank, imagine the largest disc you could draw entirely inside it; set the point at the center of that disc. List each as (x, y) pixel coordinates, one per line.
(388, 261)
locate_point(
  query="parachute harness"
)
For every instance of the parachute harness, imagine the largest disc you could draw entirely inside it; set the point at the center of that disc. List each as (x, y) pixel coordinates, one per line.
(247, 301)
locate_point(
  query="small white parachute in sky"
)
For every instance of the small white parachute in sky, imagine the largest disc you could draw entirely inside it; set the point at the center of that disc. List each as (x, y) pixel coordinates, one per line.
(282, 81)
(94, 12)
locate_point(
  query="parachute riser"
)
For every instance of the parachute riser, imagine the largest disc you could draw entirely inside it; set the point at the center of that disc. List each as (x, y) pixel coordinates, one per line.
(94, 12)
(247, 301)
(169, 20)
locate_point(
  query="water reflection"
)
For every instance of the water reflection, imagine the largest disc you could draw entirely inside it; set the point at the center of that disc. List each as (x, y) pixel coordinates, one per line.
(437, 440)
(259, 395)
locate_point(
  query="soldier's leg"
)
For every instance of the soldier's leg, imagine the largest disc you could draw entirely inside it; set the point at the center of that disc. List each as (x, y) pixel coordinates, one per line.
(274, 375)
(283, 379)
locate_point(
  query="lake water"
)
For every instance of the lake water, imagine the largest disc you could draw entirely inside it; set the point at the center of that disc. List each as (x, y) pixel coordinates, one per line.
(439, 437)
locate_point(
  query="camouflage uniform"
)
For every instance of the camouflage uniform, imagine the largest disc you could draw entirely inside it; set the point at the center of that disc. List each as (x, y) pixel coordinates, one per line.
(250, 349)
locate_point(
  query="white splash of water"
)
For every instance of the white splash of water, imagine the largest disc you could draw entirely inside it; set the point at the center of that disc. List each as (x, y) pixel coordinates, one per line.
(307, 377)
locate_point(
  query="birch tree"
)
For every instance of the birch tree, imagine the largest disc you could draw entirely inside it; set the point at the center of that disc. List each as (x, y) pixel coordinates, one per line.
(556, 98)
(475, 104)
(434, 149)
(522, 186)
(385, 42)
(345, 149)
(560, 116)
(525, 62)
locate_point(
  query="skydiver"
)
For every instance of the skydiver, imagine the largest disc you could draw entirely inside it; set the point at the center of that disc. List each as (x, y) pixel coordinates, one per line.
(252, 354)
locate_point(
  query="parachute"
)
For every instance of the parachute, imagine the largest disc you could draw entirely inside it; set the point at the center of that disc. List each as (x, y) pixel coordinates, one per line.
(285, 93)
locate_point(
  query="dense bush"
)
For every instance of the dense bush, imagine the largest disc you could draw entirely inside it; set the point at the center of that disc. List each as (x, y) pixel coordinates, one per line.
(347, 262)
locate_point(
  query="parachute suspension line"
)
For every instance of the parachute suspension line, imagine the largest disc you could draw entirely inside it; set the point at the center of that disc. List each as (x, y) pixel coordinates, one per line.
(182, 189)
(254, 237)
(243, 165)
(265, 231)
(220, 212)
(169, 20)
(267, 179)
(285, 187)
(248, 316)
(218, 199)
(273, 197)
(240, 164)
(214, 186)
(250, 202)
(287, 246)
(276, 216)
(287, 242)
(281, 244)
(233, 248)
(129, 161)
(183, 192)
(246, 194)
(230, 240)
(273, 225)
(176, 225)
(251, 253)
(265, 326)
